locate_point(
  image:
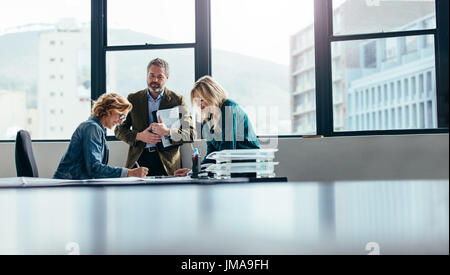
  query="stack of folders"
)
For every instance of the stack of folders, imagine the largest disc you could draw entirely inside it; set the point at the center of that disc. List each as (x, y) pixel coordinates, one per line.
(257, 163)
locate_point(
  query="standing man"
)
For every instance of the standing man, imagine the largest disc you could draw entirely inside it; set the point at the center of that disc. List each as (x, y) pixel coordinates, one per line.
(142, 133)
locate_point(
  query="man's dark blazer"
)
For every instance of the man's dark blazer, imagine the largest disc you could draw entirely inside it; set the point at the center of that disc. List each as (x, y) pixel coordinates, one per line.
(138, 120)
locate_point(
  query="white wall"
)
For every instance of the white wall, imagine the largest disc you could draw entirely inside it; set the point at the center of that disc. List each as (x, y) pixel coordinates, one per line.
(324, 159)
(371, 157)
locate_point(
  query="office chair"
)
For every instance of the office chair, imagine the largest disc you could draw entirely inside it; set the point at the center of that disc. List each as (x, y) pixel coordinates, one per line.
(25, 162)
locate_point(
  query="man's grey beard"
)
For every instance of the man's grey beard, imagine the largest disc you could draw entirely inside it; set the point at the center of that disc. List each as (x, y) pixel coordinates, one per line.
(157, 90)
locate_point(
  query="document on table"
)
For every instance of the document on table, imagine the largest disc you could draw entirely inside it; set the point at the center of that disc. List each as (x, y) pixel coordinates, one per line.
(31, 182)
(167, 179)
(25, 182)
(43, 182)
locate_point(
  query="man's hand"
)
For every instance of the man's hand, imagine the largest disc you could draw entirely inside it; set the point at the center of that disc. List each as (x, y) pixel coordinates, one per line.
(148, 137)
(160, 128)
(138, 172)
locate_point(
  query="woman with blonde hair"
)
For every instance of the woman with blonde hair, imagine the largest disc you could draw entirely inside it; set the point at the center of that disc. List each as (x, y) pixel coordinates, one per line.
(88, 153)
(225, 125)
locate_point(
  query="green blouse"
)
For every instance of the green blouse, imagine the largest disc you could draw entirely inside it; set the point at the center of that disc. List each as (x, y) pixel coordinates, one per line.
(236, 133)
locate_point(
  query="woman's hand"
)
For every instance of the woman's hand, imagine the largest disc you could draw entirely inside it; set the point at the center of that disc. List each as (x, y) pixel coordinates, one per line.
(182, 172)
(138, 172)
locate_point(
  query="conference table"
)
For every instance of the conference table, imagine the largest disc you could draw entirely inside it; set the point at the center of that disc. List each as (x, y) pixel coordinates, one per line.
(239, 218)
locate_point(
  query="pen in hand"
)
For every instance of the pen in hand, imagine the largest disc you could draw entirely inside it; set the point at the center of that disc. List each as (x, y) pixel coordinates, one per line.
(137, 165)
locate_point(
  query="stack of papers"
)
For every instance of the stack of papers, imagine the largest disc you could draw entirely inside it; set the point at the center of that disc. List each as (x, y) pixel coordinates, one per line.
(255, 161)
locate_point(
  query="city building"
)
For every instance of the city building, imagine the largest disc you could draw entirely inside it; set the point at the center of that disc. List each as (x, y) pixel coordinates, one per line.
(346, 65)
(396, 88)
(63, 99)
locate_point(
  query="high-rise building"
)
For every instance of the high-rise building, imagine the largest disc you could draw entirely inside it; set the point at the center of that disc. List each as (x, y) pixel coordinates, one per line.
(346, 65)
(303, 104)
(64, 80)
(396, 87)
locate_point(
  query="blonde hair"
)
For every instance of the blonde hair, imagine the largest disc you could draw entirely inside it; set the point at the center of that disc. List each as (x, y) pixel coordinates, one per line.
(108, 102)
(214, 95)
(210, 91)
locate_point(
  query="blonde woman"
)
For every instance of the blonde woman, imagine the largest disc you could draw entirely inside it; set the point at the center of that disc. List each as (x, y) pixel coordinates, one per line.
(88, 152)
(225, 125)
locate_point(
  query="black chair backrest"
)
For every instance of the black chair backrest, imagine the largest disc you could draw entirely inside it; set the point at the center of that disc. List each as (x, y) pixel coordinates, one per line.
(25, 162)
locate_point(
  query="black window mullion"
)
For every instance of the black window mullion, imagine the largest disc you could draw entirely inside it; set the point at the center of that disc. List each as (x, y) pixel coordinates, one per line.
(322, 34)
(98, 43)
(441, 34)
(365, 36)
(150, 47)
(442, 64)
(202, 38)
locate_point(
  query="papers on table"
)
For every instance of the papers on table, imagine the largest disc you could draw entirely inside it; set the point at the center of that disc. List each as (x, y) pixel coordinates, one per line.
(166, 179)
(42, 182)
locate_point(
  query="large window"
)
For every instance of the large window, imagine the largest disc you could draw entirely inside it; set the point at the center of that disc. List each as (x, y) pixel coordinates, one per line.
(395, 55)
(298, 67)
(139, 25)
(127, 70)
(45, 77)
(263, 55)
(396, 76)
(378, 16)
(137, 22)
(139, 31)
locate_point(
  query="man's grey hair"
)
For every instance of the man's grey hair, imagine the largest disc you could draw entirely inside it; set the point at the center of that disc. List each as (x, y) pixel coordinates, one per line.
(160, 63)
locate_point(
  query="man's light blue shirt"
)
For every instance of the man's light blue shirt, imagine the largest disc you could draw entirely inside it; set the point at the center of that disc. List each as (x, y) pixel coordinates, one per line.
(153, 105)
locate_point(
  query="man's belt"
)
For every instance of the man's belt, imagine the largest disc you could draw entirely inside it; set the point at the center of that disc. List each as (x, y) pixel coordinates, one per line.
(150, 149)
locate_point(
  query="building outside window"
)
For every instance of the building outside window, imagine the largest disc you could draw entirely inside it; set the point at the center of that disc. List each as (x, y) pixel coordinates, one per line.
(401, 82)
(29, 50)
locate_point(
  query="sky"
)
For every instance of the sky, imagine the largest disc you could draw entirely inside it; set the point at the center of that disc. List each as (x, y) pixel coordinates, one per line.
(21, 12)
(258, 28)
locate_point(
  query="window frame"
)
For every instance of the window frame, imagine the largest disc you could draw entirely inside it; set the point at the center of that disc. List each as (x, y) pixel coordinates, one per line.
(99, 47)
(323, 36)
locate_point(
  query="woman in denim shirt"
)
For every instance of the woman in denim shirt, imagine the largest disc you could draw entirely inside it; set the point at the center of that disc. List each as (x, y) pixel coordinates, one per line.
(88, 152)
(225, 125)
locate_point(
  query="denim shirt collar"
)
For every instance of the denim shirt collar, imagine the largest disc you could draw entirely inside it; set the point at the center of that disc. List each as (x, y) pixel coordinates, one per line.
(96, 120)
(150, 98)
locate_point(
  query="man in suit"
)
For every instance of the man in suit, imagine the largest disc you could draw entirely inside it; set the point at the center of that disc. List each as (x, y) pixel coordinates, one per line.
(143, 134)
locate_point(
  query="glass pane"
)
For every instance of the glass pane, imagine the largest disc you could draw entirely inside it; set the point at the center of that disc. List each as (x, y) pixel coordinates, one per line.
(127, 71)
(382, 90)
(372, 16)
(44, 67)
(137, 22)
(264, 58)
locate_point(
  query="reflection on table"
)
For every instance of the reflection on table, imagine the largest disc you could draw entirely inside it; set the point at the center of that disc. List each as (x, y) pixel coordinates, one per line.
(401, 217)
